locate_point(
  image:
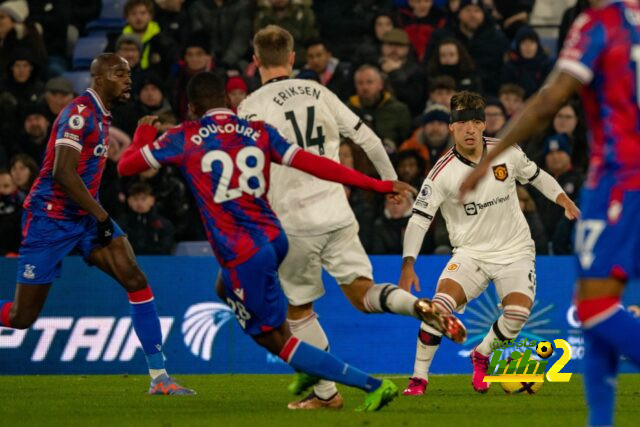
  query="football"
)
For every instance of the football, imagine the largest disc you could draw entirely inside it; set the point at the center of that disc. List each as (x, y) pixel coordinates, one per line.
(521, 387)
(544, 349)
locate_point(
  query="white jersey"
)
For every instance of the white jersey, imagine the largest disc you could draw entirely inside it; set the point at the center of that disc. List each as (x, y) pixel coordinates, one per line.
(310, 115)
(489, 226)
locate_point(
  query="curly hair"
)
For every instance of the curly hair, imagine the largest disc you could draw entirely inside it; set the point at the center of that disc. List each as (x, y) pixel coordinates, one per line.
(467, 100)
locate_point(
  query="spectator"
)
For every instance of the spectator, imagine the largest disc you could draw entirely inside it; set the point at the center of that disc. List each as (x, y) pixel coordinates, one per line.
(173, 19)
(10, 214)
(8, 115)
(441, 90)
(24, 171)
(54, 17)
(389, 228)
(528, 208)
(557, 150)
(296, 18)
(496, 116)
(452, 59)
(111, 191)
(83, 12)
(514, 15)
(487, 45)
(196, 58)
(389, 118)
(405, 76)
(345, 24)
(58, 92)
(23, 80)
(157, 48)
(149, 233)
(529, 65)
(237, 91)
(512, 98)
(420, 20)
(431, 139)
(16, 33)
(32, 140)
(166, 121)
(568, 17)
(228, 23)
(129, 47)
(368, 52)
(332, 73)
(411, 167)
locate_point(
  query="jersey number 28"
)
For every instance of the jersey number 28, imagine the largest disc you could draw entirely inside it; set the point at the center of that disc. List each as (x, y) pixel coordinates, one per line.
(250, 162)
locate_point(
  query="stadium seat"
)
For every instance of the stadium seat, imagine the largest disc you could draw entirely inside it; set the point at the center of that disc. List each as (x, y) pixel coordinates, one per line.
(550, 45)
(80, 80)
(110, 18)
(85, 50)
(196, 248)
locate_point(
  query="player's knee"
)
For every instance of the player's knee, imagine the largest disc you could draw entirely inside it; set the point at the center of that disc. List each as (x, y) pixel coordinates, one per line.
(356, 293)
(134, 280)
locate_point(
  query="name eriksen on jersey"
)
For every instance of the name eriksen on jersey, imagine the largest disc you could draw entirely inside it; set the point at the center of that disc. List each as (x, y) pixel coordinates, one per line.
(290, 92)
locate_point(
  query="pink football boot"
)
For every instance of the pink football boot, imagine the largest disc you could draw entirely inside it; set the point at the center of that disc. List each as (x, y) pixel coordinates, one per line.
(480, 364)
(417, 387)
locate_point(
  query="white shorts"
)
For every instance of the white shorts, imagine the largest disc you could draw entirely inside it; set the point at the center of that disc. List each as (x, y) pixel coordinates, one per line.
(339, 252)
(474, 277)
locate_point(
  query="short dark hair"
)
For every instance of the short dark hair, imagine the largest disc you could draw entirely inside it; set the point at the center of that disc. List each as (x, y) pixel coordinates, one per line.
(315, 41)
(205, 91)
(513, 88)
(140, 188)
(130, 4)
(442, 82)
(467, 100)
(4, 171)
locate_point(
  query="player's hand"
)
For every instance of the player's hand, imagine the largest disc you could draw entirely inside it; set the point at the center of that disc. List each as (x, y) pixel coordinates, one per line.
(402, 188)
(148, 120)
(105, 232)
(571, 211)
(472, 180)
(408, 279)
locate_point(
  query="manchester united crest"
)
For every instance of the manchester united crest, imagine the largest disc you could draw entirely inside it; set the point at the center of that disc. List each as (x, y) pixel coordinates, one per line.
(500, 172)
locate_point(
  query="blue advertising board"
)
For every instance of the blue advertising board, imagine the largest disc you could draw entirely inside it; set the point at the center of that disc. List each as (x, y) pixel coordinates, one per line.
(85, 326)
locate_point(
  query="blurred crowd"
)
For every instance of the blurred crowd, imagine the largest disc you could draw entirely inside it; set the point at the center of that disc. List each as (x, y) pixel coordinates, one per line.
(395, 63)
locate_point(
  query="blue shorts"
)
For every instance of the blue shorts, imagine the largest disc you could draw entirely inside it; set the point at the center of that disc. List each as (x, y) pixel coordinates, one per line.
(253, 290)
(46, 241)
(607, 237)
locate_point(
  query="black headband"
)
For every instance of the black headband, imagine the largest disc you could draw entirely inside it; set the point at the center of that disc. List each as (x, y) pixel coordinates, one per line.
(467, 114)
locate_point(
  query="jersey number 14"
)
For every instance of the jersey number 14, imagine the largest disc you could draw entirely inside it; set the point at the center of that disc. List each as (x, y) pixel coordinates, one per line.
(308, 140)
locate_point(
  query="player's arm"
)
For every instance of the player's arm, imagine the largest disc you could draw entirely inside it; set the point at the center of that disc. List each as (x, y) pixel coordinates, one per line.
(527, 172)
(65, 173)
(132, 161)
(327, 169)
(536, 116)
(424, 209)
(351, 126)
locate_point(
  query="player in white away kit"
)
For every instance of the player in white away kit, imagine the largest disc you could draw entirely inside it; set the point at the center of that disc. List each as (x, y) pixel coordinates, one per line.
(315, 214)
(490, 235)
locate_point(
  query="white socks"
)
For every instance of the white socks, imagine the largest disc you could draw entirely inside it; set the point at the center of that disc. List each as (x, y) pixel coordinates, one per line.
(389, 298)
(310, 331)
(426, 347)
(507, 327)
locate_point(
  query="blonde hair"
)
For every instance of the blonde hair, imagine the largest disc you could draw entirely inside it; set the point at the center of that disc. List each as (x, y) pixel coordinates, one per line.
(273, 45)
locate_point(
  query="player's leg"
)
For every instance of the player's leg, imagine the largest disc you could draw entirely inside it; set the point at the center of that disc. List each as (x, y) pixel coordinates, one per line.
(25, 307)
(45, 242)
(516, 286)
(254, 293)
(118, 260)
(460, 282)
(300, 276)
(346, 260)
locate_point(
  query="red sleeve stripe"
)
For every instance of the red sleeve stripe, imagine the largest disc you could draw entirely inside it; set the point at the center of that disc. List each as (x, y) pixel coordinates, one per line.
(435, 171)
(141, 296)
(289, 349)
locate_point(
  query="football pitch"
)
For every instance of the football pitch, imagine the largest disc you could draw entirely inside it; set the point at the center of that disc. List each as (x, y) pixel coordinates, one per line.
(259, 400)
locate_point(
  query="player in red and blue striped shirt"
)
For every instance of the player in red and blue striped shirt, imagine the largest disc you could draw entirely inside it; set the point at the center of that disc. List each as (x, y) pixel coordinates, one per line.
(601, 60)
(226, 161)
(62, 212)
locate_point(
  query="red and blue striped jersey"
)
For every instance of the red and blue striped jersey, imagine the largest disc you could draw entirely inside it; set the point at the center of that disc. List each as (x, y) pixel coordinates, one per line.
(602, 50)
(225, 161)
(84, 126)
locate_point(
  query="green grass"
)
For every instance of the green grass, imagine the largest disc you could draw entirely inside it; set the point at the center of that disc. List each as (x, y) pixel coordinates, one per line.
(258, 400)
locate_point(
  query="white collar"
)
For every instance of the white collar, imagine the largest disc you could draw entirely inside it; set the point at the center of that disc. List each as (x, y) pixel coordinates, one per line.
(220, 110)
(96, 97)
